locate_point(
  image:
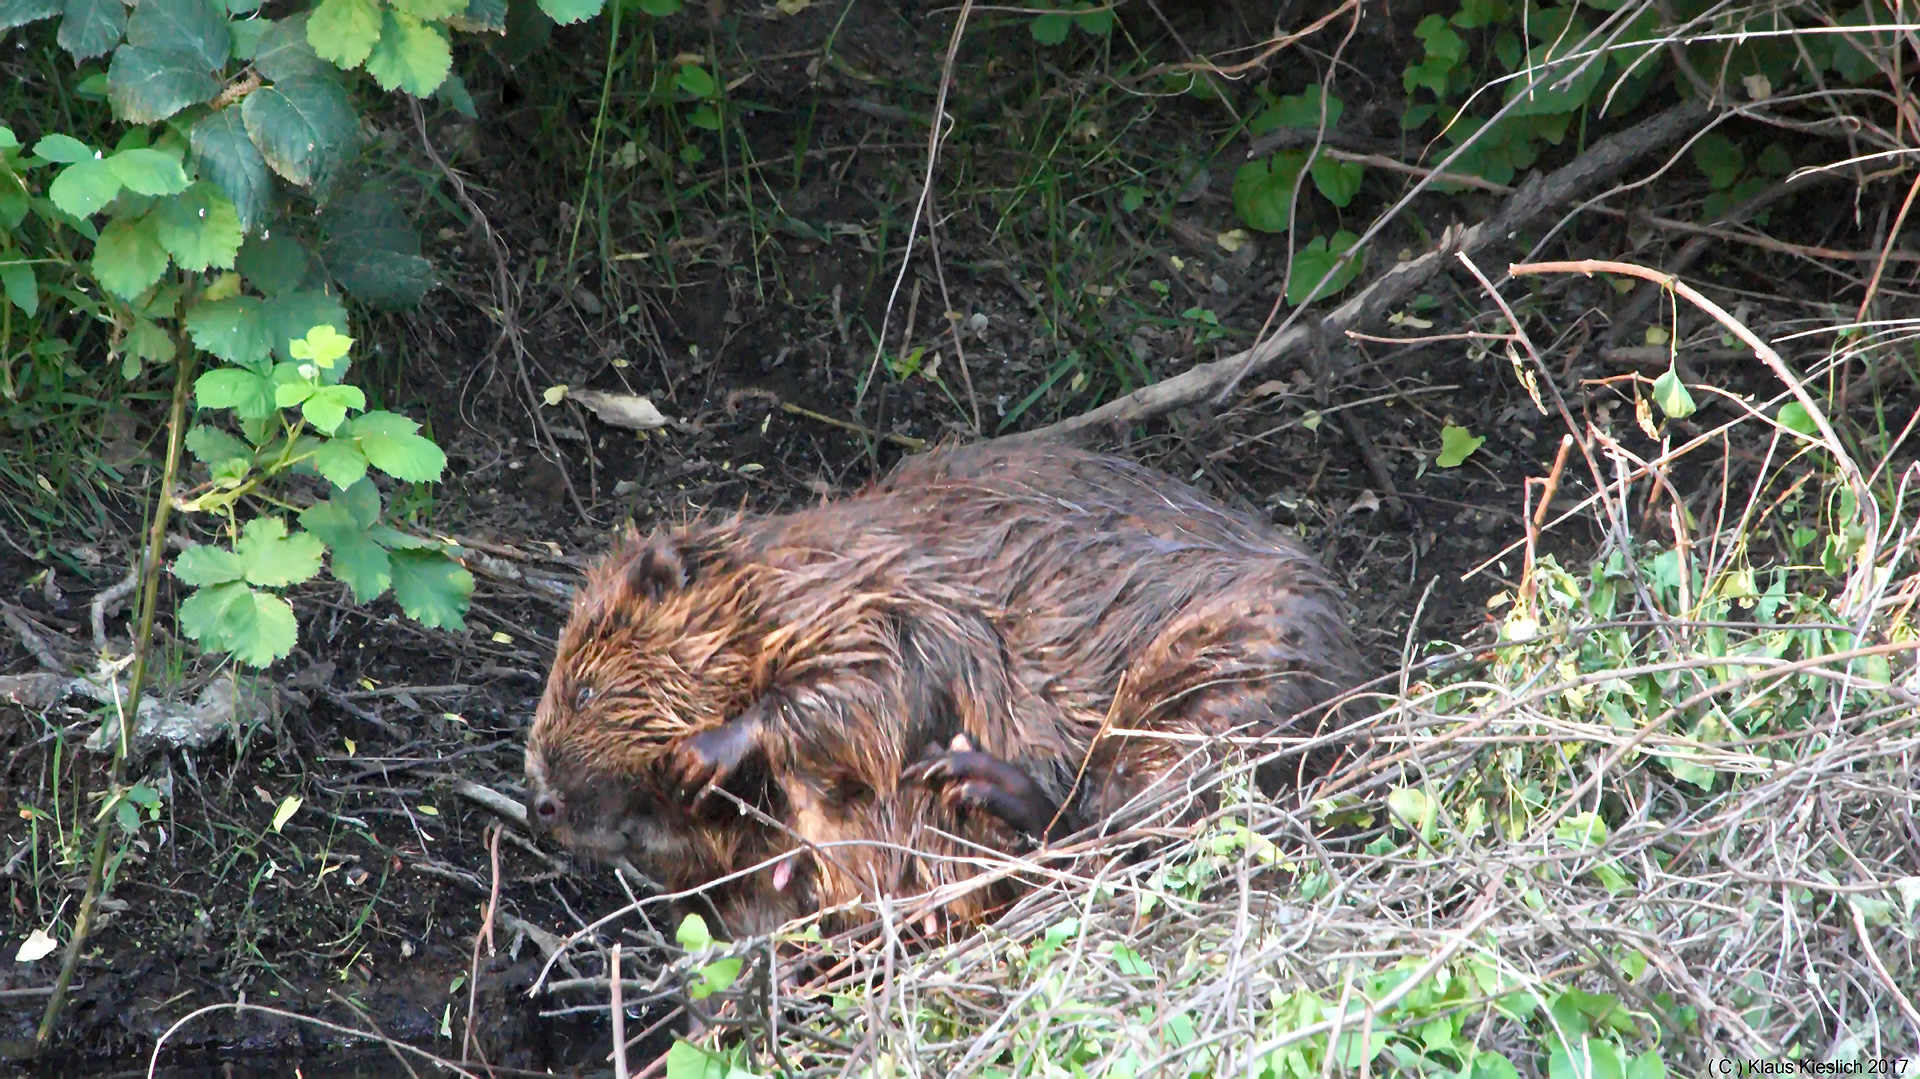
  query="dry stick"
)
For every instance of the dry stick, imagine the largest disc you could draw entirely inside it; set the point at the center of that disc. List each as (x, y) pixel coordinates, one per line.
(1606, 159)
(1538, 514)
(1863, 497)
(142, 651)
(619, 1014)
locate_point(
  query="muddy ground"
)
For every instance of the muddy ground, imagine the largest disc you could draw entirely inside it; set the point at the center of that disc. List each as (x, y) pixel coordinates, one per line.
(363, 908)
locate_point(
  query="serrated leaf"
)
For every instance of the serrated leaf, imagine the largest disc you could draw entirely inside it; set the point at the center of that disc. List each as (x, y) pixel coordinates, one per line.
(411, 55)
(571, 11)
(23, 290)
(305, 128)
(1456, 445)
(434, 10)
(233, 329)
(250, 396)
(64, 149)
(270, 558)
(199, 228)
(344, 31)
(1315, 263)
(1263, 190)
(432, 589)
(256, 627)
(205, 564)
(128, 258)
(292, 315)
(354, 557)
(191, 27)
(147, 85)
(21, 12)
(1672, 396)
(275, 265)
(148, 172)
(1719, 159)
(339, 461)
(211, 445)
(147, 342)
(84, 187)
(391, 446)
(283, 52)
(90, 28)
(326, 408)
(226, 156)
(374, 251)
(323, 345)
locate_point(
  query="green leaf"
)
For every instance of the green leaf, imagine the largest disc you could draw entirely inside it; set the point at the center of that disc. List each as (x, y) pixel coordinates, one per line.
(204, 564)
(291, 315)
(570, 11)
(304, 127)
(148, 172)
(1263, 190)
(1672, 396)
(339, 461)
(1795, 417)
(1300, 110)
(695, 81)
(283, 53)
(21, 12)
(355, 558)
(411, 56)
(200, 228)
(1339, 181)
(84, 187)
(436, 10)
(1456, 445)
(234, 329)
(146, 342)
(326, 408)
(91, 28)
(128, 258)
(226, 156)
(1719, 159)
(250, 396)
(152, 83)
(1316, 262)
(1050, 29)
(211, 445)
(64, 149)
(374, 251)
(453, 92)
(660, 9)
(271, 558)
(432, 588)
(21, 287)
(1096, 22)
(715, 977)
(323, 345)
(391, 446)
(191, 27)
(344, 31)
(275, 265)
(256, 627)
(693, 934)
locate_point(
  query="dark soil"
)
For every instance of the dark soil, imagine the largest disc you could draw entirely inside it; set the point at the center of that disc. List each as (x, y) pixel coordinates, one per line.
(363, 909)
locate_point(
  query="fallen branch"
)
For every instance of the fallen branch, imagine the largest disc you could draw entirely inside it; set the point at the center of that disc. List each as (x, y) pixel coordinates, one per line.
(1539, 194)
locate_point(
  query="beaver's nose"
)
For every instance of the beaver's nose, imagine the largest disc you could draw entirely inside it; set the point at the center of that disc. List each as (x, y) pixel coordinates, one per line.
(544, 811)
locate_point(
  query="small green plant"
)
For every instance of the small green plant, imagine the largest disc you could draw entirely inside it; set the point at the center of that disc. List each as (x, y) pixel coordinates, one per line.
(1092, 19)
(295, 416)
(1265, 191)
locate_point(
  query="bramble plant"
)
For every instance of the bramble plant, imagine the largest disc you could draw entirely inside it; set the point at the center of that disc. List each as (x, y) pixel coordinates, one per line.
(296, 417)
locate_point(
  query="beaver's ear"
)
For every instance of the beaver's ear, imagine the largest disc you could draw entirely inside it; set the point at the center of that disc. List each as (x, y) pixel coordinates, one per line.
(659, 569)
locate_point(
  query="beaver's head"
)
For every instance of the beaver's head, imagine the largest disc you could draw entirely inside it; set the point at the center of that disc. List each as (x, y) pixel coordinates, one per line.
(659, 646)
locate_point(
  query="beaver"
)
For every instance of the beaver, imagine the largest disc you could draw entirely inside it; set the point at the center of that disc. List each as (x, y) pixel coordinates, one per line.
(990, 647)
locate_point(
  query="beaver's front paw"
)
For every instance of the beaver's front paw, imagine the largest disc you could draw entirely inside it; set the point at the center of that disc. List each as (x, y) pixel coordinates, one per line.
(704, 761)
(966, 778)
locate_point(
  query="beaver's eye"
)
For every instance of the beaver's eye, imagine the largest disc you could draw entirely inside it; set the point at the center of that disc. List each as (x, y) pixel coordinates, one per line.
(581, 698)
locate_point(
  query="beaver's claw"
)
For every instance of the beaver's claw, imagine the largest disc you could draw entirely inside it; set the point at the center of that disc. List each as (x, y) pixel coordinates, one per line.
(965, 778)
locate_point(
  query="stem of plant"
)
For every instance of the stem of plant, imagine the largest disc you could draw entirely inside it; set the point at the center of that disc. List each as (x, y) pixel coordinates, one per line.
(142, 649)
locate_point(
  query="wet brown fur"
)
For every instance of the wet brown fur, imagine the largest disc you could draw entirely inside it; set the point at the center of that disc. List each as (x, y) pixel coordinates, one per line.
(1019, 596)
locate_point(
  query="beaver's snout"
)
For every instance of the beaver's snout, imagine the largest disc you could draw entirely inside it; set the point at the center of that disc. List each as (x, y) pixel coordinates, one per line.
(545, 810)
